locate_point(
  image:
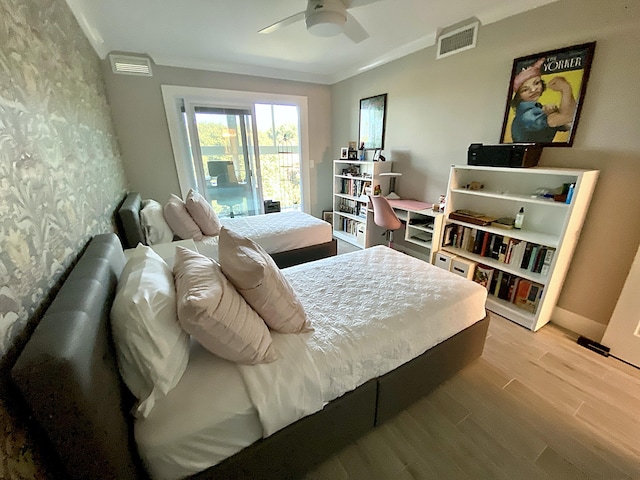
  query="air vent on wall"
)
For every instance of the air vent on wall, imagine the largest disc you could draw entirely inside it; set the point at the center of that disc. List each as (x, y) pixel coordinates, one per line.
(458, 40)
(129, 65)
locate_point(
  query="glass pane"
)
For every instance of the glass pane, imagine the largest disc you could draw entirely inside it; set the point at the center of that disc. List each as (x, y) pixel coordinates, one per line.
(279, 154)
(226, 161)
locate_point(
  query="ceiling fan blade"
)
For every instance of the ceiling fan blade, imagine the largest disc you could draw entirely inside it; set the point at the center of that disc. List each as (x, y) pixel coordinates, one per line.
(358, 3)
(354, 30)
(283, 23)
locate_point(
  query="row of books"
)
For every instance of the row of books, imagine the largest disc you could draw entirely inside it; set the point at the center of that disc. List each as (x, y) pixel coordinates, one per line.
(503, 248)
(350, 226)
(352, 207)
(523, 293)
(354, 187)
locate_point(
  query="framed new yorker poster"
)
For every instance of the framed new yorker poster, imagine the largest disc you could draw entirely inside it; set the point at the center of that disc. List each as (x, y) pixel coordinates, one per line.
(546, 93)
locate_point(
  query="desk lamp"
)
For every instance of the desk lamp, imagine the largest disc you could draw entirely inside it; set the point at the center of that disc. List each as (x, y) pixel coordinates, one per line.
(392, 184)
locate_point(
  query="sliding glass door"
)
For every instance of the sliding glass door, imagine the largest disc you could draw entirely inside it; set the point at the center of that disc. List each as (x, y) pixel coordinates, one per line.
(239, 149)
(225, 163)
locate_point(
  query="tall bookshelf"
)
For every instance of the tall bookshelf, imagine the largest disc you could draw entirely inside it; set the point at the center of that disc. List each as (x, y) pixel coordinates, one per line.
(352, 181)
(521, 288)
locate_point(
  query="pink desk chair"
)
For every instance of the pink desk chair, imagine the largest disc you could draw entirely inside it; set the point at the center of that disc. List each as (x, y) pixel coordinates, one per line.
(385, 217)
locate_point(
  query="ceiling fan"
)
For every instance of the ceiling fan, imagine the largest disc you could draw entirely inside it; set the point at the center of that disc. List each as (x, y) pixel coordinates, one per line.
(327, 18)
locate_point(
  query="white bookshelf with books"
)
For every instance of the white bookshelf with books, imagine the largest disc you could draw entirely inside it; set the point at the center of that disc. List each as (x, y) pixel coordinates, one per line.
(353, 181)
(522, 268)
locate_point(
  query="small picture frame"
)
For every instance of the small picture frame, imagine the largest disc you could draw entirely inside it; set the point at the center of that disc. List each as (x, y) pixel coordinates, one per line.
(327, 216)
(376, 154)
(344, 153)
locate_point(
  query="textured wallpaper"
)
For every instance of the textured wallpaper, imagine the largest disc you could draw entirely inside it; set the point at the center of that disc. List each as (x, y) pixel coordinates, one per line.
(61, 176)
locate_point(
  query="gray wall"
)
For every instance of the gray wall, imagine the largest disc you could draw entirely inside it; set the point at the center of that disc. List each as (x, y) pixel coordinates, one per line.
(140, 119)
(61, 179)
(436, 108)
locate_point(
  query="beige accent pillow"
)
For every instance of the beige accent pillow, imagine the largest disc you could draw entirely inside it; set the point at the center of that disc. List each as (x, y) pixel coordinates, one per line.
(202, 213)
(215, 314)
(178, 218)
(259, 280)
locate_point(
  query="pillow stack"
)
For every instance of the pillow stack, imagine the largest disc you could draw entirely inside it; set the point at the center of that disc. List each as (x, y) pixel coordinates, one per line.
(191, 218)
(154, 226)
(229, 308)
(151, 348)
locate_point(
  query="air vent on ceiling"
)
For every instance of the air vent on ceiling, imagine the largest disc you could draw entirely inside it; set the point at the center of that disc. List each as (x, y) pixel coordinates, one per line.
(130, 65)
(458, 40)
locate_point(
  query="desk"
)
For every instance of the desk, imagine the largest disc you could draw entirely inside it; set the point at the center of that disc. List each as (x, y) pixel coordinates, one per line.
(409, 205)
(423, 226)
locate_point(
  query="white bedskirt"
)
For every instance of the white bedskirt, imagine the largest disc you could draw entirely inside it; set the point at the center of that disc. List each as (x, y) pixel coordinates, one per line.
(371, 310)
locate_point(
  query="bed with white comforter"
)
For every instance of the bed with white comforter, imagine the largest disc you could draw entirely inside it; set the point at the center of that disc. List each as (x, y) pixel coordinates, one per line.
(275, 232)
(372, 311)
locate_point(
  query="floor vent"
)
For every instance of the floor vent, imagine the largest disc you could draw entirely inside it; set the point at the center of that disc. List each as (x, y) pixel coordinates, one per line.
(458, 40)
(129, 65)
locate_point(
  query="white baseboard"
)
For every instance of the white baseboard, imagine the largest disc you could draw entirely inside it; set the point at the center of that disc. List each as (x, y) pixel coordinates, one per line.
(577, 323)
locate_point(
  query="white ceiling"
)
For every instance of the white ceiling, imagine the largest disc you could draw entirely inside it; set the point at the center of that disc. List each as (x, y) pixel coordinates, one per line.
(222, 35)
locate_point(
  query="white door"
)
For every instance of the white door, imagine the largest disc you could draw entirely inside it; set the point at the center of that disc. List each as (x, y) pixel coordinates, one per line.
(623, 332)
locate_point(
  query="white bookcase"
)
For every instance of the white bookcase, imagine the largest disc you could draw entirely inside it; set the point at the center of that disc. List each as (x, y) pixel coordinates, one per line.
(423, 228)
(550, 225)
(352, 181)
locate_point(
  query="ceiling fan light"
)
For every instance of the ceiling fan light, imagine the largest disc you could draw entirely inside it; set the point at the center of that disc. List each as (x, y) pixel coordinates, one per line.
(325, 23)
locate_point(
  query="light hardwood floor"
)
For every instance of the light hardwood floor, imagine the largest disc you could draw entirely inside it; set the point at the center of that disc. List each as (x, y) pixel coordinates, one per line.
(534, 406)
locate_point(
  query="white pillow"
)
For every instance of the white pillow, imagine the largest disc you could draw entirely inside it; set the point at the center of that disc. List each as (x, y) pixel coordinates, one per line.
(151, 347)
(178, 218)
(259, 280)
(155, 227)
(202, 213)
(215, 314)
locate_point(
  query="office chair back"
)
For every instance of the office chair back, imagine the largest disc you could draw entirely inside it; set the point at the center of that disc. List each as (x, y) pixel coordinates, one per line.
(384, 216)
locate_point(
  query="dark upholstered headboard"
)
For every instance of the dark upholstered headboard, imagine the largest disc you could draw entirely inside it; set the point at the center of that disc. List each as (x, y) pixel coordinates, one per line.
(129, 215)
(68, 375)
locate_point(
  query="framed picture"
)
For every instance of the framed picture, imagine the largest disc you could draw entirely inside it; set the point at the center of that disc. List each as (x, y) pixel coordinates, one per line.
(372, 122)
(327, 216)
(344, 152)
(546, 93)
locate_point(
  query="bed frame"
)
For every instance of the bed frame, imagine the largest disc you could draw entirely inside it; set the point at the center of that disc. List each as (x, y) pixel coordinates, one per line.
(132, 234)
(68, 376)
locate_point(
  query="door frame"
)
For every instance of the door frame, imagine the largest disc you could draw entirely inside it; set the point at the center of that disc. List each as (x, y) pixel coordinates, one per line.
(174, 95)
(621, 334)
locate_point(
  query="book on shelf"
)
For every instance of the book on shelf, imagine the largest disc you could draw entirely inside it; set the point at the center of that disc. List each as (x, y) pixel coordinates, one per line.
(504, 222)
(469, 216)
(447, 236)
(532, 257)
(526, 255)
(496, 281)
(484, 244)
(528, 295)
(546, 263)
(483, 275)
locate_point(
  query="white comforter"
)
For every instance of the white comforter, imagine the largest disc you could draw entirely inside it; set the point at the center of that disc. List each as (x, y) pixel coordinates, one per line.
(372, 311)
(275, 232)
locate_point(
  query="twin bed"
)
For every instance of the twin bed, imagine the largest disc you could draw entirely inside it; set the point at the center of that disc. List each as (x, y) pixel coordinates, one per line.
(289, 237)
(369, 357)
